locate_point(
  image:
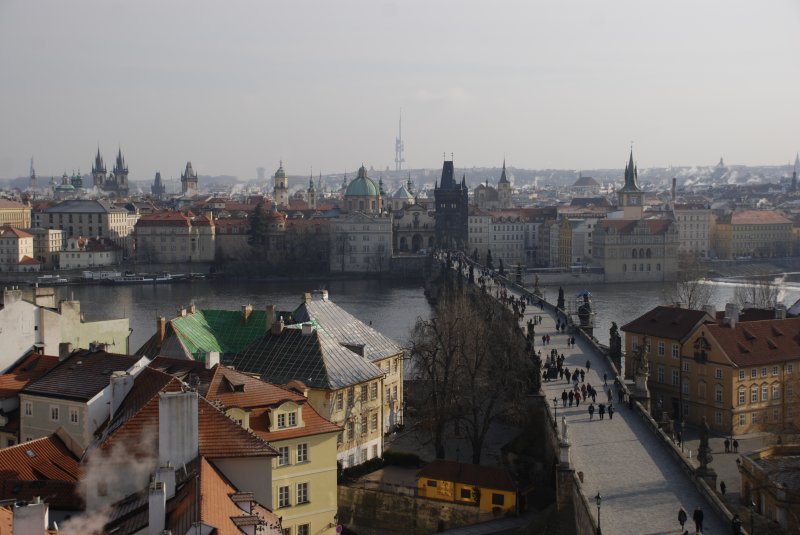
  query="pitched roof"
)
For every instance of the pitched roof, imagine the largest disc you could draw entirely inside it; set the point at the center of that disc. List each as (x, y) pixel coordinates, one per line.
(759, 342)
(668, 322)
(6, 204)
(29, 368)
(317, 359)
(218, 435)
(758, 217)
(346, 328)
(7, 231)
(488, 477)
(81, 375)
(46, 458)
(586, 181)
(83, 206)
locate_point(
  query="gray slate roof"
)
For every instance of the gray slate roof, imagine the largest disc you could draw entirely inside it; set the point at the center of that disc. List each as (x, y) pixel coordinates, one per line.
(82, 206)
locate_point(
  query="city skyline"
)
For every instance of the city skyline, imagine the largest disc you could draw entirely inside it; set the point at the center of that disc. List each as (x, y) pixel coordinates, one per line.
(232, 88)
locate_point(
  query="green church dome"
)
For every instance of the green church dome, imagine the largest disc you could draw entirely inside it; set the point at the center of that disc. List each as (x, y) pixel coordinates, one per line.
(362, 186)
(280, 173)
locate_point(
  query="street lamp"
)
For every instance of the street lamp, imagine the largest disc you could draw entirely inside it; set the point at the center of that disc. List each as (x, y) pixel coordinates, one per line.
(598, 500)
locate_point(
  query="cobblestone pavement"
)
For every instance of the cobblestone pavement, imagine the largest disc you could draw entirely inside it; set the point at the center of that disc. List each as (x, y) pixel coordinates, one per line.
(641, 484)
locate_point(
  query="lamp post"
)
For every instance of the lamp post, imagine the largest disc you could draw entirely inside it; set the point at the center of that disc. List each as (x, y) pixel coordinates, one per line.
(598, 500)
(555, 413)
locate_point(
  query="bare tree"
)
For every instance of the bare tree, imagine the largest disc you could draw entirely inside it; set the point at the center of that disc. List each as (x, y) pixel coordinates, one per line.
(690, 289)
(756, 294)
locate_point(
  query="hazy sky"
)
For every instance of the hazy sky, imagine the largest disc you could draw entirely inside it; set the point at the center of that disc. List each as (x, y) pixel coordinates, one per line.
(236, 85)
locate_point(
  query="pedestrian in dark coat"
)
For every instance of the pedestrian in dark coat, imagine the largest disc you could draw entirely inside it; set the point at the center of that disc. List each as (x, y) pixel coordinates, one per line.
(571, 396)
(727, 445)
(735, 446)
(736, 525)
(682, 516)
(605, 378)
(697, 516)
(591, 410)
(601, 410)
(588, 364)
(577, 397)
(610, 412)
(620, 395)
(583, 376)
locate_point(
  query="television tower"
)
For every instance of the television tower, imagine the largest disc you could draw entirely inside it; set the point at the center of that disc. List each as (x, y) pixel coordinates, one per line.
(33, 176)
(398, 145)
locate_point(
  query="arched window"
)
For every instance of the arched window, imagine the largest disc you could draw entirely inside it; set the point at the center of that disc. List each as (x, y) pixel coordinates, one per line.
(634, 267)
(648, 253)
(658, 267)
(641, 267)
(634, 253)
(641, 253)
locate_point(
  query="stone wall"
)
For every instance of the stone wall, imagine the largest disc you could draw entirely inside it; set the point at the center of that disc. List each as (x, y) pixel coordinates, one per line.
(368, 511)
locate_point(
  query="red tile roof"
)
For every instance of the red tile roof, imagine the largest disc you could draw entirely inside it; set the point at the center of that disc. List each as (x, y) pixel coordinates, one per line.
(759, 342)
(46, 458)
(668, 322)
(758, 217)
(487, 477)
(10, 232)
(6, 204)
(28, 261)
(27, 369)
(163, 219)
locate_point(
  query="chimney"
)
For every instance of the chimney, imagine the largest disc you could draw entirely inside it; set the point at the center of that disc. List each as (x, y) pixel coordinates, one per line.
(308, 328)
(64, 350)
(31, 517)
(192, 308)
(45, 297)
(307, 297)
(277, 327)
(161, 329)
(246, 311)
(182, 312)
(324, 295)
(11, 295)
(121, 384)
(177, 428)
(212, 359)
(271, 314)
(166, 475)
(674, 187)
(780, 311)
(731, 314)
(157, 508)
(711, 310)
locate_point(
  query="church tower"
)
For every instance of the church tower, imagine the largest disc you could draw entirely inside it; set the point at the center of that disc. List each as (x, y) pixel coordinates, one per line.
(504, 189)
(158, 189)
(98, 171)
(452, 205)
(631, 197)
(794, 172)
(280, 193)
(33, 176)
(120, 174)
(189, 181)
(312, 194)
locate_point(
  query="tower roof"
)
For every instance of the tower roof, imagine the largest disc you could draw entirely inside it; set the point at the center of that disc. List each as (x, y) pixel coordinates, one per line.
(448, 176)
(362, 185)
(189, 172)
(503, 179)
(280, 173)
(631, 176)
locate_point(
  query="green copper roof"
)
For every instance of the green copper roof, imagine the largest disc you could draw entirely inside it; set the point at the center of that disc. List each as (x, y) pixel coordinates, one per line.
(280, 173)
(362, 185)
(220, 330)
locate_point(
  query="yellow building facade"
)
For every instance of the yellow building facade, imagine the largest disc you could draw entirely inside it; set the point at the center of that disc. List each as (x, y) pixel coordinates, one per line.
(491, 489)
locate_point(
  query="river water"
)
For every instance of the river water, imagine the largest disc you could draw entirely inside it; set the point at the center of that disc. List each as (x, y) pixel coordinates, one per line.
(391, 306)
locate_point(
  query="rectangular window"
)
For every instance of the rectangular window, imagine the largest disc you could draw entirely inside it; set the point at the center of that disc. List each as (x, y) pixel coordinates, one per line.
(28, 408)
(363, 425)
(363, 455)
(350, 431)
(742, 395)
(753, 373)
(373, 390)
(73, 415)
(789, 391)
(661, 374)
(283, 456)
(303, 529)
(718, 373)
(374, 450)
(283, 496)
(394, 365)
(635, 343)
(685, 366)
(742, 419)
(339, 401)
(789, 368)
(718, 394)
(374, 421)
(292, 419)
(741, 375)
(281, 421)
(364, 394)
(686, 388)
(302, 453)
(764, 371)
(54, 413)
(394, 393)
(675, 377)
(764, 393)
(431, 483)
(675, 351)
(302, 493)
(351, 396)
(774, 370)
(754, 395)
(776, 415)
(718, 418)
(660, 349)
(776, 391)
(498, 499)
(753, 417)
(466, 494)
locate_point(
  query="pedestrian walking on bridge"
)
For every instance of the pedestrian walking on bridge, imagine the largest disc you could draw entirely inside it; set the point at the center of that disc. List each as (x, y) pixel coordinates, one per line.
(601, 410)
(697, 516)
(682, 517)
(610, 411)
(591, 410)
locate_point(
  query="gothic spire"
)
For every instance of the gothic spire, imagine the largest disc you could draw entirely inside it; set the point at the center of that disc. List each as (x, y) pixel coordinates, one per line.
(631, 175)
(503, 179)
